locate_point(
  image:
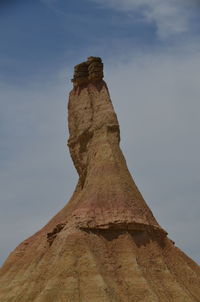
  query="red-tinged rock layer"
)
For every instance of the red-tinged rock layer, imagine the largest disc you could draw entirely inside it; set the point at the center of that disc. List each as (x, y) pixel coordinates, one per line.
(105, 245)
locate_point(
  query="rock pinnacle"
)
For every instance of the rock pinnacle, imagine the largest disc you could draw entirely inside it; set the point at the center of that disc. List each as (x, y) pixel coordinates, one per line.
(105, 245)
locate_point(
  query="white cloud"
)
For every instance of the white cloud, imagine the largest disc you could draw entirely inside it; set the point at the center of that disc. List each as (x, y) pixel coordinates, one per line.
(171, 17)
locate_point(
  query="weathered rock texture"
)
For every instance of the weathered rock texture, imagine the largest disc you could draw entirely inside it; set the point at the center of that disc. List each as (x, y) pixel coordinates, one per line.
(105, 244)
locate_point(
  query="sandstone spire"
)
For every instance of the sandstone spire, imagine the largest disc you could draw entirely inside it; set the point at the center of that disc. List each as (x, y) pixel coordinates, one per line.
(105, 244)
(108, 196)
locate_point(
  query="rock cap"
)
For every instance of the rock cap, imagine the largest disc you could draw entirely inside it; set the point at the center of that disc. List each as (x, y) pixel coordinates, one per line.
(88, 71)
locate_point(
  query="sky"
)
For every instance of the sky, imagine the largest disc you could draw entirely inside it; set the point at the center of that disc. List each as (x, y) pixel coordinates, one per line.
(151, 53)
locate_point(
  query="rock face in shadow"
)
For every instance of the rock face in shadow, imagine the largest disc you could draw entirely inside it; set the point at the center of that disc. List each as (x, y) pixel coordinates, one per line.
(105, 244)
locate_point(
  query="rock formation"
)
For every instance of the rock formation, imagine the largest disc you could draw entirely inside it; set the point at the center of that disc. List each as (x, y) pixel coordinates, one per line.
(105, 245)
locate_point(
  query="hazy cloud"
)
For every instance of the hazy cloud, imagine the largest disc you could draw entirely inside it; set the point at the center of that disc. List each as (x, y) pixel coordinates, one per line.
(170, 17)
(157, 101)
(37, 176)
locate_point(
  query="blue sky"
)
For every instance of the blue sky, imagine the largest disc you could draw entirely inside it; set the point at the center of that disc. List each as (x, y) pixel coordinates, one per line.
(151, 52)
(40, 36)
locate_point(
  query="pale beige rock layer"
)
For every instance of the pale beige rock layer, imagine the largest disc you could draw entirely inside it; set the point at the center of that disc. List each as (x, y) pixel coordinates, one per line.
(105, 244)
